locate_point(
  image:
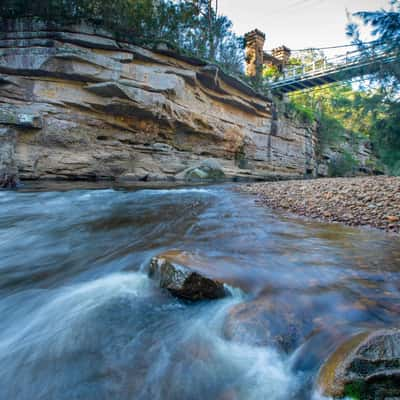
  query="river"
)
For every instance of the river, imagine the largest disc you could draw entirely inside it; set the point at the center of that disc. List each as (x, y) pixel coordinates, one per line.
(80, 319)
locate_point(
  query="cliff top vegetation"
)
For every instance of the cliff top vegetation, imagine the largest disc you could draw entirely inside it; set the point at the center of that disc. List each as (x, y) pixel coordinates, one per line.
(194, 27)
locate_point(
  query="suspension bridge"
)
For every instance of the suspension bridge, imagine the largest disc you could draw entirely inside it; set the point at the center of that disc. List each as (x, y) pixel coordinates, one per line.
(346, 66)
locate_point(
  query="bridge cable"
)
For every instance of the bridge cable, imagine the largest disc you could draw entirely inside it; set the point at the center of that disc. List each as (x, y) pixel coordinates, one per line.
(372, 43)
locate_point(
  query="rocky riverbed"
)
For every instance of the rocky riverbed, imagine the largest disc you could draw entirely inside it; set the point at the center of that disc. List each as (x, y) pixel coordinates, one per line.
(369, 201)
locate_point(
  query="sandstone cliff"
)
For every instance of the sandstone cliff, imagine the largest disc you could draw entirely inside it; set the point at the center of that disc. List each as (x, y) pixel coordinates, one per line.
(75, 103)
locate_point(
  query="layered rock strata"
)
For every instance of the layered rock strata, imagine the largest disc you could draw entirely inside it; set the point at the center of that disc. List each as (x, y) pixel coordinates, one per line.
(83, 105)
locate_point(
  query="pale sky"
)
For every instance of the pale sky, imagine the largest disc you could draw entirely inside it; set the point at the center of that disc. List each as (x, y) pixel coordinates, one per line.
(296, 23)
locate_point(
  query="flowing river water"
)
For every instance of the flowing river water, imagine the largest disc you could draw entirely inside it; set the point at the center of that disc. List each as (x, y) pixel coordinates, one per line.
(80, 319)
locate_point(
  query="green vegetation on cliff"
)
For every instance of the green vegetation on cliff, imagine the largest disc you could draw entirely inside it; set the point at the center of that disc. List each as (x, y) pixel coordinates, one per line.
(370, 110)
(383, 105)
(344, 113)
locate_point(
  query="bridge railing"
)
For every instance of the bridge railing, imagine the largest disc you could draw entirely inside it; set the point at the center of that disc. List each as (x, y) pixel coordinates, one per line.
(325, 65)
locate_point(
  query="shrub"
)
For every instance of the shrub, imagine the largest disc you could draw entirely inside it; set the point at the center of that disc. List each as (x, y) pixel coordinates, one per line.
(395, 169)
(303, 113)
(343, 165)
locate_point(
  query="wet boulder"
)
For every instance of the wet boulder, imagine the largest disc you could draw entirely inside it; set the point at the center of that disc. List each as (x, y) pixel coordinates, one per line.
(267, 322)
(173, 273)
(318, 346)
(367, 366)
(207, 170)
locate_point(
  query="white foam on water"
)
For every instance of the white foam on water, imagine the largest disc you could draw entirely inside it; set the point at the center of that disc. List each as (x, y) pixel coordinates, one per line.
(63, 327)
(72, 305)
(237, 293)
(264, 372)
(175, 191)
(255, 372)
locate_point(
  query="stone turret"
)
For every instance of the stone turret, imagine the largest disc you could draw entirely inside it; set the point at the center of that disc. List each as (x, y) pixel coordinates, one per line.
(254, 53)
(256, 58)
(282, 54)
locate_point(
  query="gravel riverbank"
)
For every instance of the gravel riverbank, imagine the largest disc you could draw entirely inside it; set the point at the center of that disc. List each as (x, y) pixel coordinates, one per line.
(371, 201)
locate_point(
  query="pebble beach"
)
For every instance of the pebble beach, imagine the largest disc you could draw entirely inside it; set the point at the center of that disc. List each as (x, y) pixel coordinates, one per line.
(365, 201)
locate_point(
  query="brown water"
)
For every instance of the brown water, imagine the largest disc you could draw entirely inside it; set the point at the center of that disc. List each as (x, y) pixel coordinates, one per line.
(81, 320)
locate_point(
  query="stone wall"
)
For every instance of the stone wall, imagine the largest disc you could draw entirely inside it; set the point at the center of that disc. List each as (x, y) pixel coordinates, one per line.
(82, 105)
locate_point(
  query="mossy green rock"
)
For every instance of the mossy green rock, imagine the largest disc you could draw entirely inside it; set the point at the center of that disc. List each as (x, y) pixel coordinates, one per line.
(267, 322)
(367, 367)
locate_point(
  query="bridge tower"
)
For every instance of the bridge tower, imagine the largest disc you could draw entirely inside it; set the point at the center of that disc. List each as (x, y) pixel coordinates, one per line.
(256, 58)
(282, 54)
(254, 53)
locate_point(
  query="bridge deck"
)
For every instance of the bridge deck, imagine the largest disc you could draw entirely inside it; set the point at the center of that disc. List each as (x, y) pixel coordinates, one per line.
(331, 74)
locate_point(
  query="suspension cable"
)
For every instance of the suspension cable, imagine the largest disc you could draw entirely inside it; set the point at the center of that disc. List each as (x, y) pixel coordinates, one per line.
(372, 43)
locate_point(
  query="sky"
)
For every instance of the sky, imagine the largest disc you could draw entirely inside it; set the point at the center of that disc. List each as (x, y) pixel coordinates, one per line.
(297, 24)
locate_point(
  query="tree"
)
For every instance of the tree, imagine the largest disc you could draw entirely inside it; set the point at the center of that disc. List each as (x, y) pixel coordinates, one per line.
(385, 28)
(192, 26)
(384, 105)
(210, 14)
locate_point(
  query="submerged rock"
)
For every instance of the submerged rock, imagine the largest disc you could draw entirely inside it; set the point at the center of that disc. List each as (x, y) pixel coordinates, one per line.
(264, 322)
(183, 281)
(367, 366)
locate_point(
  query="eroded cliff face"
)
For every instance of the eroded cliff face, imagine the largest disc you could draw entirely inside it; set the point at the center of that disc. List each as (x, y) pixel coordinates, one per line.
(76, 103)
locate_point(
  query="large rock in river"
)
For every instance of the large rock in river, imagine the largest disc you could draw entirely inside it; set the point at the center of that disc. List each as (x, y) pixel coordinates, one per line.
(182, 280)
(267, 322)
(365, 367)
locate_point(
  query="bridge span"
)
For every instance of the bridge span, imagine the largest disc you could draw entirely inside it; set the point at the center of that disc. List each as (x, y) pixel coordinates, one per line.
(319, 72)
(341, 68)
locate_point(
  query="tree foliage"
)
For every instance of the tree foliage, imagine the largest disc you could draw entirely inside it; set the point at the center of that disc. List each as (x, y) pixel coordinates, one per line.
(191, 26)
(370, 110)
(384, 105)
(346, 114)
(385, 28)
